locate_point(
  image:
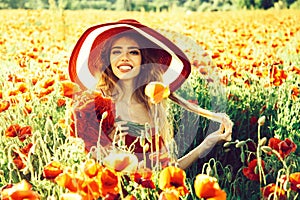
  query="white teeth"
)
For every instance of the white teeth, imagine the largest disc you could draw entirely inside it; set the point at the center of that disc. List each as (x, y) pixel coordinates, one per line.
(125, 67)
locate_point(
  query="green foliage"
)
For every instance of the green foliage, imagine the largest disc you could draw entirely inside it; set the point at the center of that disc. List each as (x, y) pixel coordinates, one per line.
(150, 5)
(295, 5)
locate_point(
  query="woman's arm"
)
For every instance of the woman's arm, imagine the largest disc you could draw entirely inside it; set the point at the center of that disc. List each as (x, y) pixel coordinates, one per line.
(208, 143)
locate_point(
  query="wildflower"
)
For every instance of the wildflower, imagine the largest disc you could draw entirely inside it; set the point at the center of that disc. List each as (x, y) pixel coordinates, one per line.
(251, 171)
(61, 102)
(69, 89)
(121, 161)
(270, 190)
(88, 114)
(294, 181)
(144, 177)
(203, 71)
(283, 147)
(157, 91)
(169, 195)
(69, 181)
(12, 130)
(21, 190)
(224, 80)
(27, 109)
(17, 159)
(4, 105)
(49, 82)
(207, 187)
(16, 130)
(108, 182)
(52, 170)
(173, 178)
(91, 168)
(278, 76)
(295, 93)
(25, 132)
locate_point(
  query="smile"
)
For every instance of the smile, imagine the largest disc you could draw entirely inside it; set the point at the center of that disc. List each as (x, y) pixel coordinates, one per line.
(125, 68)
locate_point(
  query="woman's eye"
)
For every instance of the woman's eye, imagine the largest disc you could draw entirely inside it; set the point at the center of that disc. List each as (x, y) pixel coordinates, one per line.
(115, 52)
(135, 52)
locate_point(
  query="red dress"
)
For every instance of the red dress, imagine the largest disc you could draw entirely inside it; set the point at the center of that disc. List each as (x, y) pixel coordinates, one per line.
(87, 123)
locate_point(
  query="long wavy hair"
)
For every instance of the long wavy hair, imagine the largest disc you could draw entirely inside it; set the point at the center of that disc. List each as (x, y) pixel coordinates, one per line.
(151, 70)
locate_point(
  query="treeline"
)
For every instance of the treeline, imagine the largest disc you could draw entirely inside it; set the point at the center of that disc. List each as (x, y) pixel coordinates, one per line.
(150, 5)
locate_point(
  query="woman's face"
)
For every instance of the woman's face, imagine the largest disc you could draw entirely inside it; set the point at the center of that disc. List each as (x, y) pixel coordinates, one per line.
(125, 58)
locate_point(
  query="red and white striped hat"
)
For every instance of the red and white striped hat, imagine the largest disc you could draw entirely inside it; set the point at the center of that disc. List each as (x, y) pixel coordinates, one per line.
(175, 63)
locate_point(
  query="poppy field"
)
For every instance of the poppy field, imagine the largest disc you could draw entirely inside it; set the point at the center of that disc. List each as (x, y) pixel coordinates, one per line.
(245, 63)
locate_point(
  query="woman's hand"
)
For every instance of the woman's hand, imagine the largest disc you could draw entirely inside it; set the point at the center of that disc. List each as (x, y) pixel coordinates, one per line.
(121, 127)
(223, 134)
(119, 131)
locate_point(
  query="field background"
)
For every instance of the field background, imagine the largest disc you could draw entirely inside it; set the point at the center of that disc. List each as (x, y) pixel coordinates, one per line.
(255, 59)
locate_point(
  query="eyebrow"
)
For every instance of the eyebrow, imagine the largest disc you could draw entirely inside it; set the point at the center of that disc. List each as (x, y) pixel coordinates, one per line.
(119, 47)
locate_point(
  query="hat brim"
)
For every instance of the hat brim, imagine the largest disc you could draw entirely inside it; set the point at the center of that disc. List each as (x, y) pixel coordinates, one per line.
(174, 75)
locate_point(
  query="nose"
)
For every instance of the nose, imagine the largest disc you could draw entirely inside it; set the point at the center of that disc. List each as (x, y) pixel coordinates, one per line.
(124, 57)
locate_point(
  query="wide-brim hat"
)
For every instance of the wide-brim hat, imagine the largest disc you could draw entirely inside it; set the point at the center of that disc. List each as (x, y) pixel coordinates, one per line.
(176, 65)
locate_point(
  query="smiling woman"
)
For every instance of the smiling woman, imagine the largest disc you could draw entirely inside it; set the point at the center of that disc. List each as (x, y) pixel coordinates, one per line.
(124, 57)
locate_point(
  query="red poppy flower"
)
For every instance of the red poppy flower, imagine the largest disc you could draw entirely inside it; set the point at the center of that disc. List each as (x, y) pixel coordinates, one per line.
(61, 102)
(24, 132)
(68, 181)
(52, 170)
(251, 171)
(278, 76)
(169, 195)
(4, 105)
(88, 114)
(207, 187)
(21, 190)
(270, 190)
(295, 181)
(69, 89)
(203, 71)
(16, 130)
(91, 168)
(17, 159)
(108, 182)
(283, 147)
(224, 80)
(49, 82)
(173, 178)
(144, 178)
(12, 130)
(27, 109)
(295, 93)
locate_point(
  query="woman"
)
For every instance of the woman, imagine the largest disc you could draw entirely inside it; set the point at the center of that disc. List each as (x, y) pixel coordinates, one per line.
(123, 57)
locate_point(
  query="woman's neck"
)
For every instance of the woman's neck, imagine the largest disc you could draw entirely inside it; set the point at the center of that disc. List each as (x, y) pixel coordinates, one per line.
(127, 90)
